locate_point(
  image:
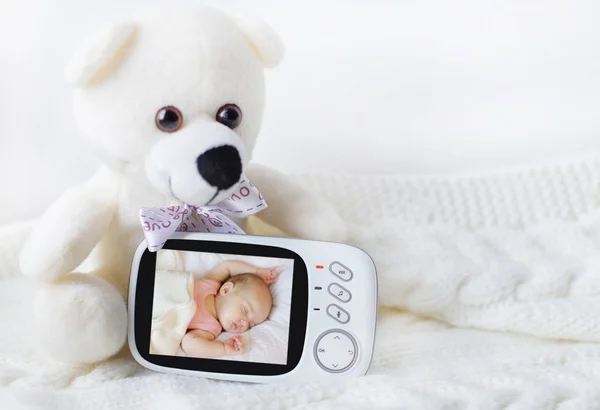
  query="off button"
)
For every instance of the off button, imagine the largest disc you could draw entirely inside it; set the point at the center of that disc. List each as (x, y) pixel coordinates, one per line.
(335, 351)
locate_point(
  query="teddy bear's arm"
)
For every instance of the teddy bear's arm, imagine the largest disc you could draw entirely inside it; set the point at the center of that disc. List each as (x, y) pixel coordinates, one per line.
(67, 232)
(293, 209)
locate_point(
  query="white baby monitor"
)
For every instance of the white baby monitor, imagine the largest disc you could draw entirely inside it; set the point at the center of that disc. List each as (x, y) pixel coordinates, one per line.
(322, 322)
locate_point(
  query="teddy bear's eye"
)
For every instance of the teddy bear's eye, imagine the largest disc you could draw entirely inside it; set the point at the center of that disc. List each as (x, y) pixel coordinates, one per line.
(168, 119)
(230, 115)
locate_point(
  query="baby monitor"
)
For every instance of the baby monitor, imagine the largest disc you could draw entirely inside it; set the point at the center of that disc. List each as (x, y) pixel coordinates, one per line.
(321, 324)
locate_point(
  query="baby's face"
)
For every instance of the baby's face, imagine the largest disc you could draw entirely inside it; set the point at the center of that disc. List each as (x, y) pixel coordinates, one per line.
(242, 306)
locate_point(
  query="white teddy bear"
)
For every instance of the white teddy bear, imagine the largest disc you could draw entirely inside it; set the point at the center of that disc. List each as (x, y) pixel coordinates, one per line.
(173, 103)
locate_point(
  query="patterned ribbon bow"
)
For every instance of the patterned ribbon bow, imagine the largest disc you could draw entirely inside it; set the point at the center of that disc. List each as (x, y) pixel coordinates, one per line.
(160, 223)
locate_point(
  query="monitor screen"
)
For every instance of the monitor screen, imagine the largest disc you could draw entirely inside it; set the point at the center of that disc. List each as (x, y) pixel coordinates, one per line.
(226, 307)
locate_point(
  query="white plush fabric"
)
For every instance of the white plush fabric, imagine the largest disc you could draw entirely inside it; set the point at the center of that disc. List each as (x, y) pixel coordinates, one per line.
(504, 265)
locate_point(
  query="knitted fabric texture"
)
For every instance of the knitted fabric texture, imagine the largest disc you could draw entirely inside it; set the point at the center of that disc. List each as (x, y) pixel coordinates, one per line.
(490, 285)
(511, 251)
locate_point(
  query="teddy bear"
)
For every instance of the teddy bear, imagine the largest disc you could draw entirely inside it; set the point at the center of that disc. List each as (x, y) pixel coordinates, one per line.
(172, 103)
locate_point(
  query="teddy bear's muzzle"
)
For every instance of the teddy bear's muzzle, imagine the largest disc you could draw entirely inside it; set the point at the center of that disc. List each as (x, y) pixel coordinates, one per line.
(198, 164)
(221, 166)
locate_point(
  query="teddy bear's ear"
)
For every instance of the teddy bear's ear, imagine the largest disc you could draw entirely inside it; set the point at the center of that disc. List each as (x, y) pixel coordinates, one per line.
(100, 56)
(265, 41)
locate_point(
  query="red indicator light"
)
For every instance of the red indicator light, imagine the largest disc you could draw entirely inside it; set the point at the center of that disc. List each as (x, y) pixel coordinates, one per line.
(319, 266)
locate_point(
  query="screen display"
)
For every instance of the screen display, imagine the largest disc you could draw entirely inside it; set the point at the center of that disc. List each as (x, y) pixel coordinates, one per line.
(223, 307)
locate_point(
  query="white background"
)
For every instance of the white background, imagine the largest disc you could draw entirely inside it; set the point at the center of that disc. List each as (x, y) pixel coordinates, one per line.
(405, 86)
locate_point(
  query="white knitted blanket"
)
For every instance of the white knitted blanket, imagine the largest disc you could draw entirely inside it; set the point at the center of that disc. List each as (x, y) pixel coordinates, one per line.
(492, 281)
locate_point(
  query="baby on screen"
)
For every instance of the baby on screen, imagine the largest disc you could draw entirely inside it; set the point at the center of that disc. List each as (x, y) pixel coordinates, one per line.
(233, 297)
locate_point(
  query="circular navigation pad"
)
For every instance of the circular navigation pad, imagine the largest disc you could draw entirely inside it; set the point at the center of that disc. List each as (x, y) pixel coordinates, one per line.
(335, 350)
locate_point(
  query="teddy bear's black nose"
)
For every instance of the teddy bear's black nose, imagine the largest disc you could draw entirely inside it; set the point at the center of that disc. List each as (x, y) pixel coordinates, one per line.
(221, 166)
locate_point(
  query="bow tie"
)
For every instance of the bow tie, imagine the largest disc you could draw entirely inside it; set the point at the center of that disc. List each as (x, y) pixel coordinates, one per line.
(160, 223)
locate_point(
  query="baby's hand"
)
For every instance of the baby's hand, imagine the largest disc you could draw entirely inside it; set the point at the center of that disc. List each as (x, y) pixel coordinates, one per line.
(270, 275)
(235, 345)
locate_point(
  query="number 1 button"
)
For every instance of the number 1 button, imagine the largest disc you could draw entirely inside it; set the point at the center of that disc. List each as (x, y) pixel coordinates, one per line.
(340, 271)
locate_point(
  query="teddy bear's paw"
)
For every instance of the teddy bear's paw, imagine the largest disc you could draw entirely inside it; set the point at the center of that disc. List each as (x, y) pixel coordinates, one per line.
(80, 319)
(336, 229)
(322, 223)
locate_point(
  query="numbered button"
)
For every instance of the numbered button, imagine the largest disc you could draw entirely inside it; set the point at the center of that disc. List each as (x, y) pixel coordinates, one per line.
(341, 271)
(338, 314)
(335, 351)
(339, 292)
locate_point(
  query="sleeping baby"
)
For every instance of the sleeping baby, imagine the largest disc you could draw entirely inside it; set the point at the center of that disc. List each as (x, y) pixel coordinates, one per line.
(233, 297)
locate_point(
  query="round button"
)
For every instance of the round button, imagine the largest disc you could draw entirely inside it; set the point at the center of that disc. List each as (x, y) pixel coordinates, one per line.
(335, 350)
